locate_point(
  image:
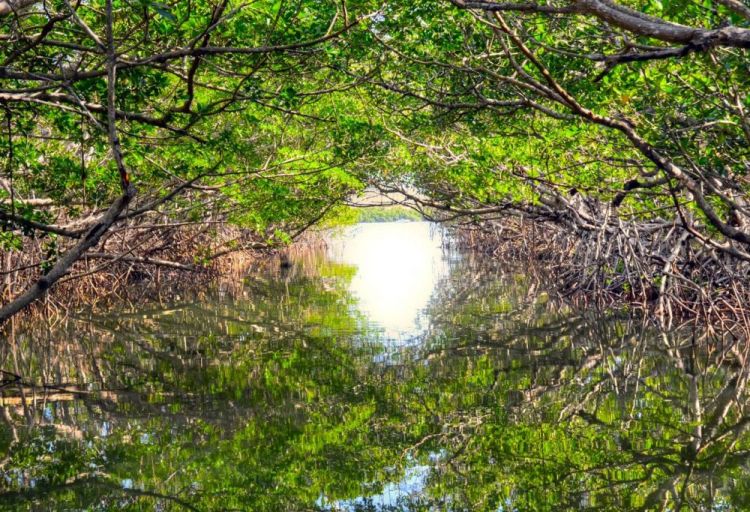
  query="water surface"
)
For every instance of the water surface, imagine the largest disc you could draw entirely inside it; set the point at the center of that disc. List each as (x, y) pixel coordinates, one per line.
(398, 266)
(295, 390)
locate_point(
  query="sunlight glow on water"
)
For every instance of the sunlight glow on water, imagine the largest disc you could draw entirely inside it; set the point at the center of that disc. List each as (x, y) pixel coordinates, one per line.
(398, 265)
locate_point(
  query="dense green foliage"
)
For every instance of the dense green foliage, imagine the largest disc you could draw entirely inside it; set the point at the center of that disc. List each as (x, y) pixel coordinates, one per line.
(267, 116)
(234, 120)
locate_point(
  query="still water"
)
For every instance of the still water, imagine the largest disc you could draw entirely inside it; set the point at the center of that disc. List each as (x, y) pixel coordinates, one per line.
(384, 374)
(398, 266)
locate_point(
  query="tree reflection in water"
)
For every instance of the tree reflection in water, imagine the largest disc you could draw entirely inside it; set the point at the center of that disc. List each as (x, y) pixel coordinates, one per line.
(281, 397)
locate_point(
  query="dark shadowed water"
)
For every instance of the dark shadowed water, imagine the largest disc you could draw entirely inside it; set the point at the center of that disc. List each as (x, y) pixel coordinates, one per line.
(384, 375)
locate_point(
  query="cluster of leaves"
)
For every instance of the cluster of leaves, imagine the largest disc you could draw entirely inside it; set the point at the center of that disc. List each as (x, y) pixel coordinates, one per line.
(279, 110)
(238, 99)
(533, 105)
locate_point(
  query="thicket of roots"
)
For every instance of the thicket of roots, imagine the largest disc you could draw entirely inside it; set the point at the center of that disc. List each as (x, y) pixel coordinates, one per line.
(653, 268)
(134, 264)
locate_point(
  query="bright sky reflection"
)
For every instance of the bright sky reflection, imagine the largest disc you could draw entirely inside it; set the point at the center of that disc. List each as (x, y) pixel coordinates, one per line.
(398, 265)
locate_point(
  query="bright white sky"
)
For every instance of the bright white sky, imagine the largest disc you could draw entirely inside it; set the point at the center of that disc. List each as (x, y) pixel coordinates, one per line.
(398, 265)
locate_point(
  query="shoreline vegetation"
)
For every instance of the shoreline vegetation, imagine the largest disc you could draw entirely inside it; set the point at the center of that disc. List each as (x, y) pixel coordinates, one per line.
(646, 278)
(576, 271)
(145, 275)
(181, 260)
(579, 271)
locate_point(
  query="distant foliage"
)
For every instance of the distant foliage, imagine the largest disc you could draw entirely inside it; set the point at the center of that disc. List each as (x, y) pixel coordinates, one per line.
(387, 214)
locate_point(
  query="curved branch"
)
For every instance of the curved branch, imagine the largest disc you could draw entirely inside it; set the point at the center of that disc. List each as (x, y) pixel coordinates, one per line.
(38, 289)
(627, 19)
